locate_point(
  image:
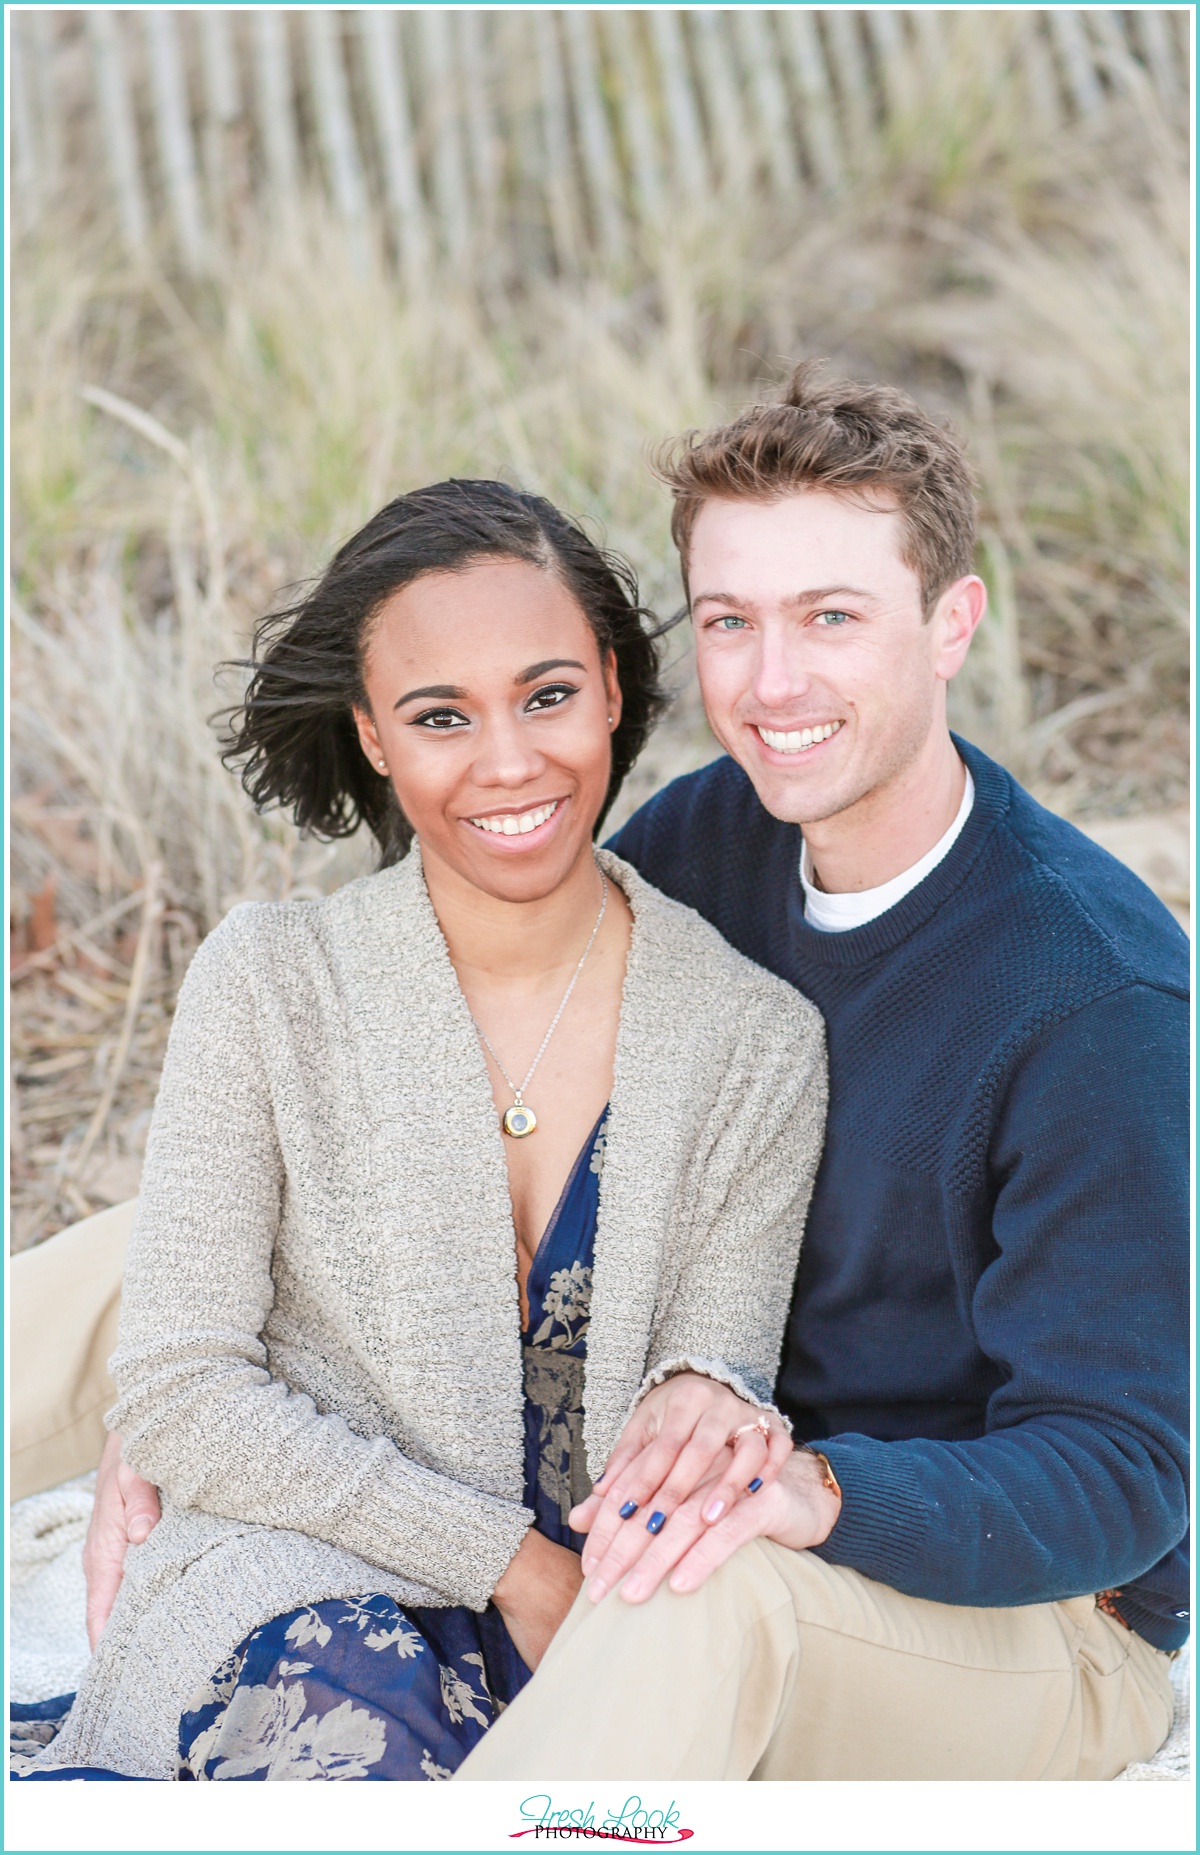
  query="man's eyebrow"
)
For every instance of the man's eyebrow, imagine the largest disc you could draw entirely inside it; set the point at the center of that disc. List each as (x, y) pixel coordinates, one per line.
(810, 596)
(441, 692)
(540, 669)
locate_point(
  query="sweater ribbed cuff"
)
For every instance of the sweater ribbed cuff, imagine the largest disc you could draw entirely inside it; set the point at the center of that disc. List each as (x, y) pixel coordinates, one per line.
(883, 1527)
(717, 1370)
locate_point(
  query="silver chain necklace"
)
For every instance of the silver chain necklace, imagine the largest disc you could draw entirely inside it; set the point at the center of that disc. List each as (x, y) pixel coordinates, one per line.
(520, 1120)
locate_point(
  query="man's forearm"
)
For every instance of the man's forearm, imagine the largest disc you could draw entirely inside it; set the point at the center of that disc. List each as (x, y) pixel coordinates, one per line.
(1047, 1510)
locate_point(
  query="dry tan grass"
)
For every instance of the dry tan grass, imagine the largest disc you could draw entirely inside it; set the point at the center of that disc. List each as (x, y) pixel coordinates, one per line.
(178, 455)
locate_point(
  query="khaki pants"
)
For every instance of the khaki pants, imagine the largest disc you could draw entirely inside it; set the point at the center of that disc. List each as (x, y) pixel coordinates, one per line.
(784, 1667)
(779, 1667)
(64, 1298)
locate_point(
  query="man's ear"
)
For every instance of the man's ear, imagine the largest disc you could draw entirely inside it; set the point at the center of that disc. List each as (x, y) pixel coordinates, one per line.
(955, 619)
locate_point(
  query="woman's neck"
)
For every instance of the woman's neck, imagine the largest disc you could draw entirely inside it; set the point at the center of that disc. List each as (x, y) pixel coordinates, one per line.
(488, 935)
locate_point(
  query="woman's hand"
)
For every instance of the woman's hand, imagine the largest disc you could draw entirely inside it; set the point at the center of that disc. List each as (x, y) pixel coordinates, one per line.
(126, 1511)
(799, 1509)
(677, 1441)
(535, 1591)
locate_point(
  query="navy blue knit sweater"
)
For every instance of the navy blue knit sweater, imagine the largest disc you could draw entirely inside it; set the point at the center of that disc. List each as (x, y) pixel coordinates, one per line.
(990, 1328)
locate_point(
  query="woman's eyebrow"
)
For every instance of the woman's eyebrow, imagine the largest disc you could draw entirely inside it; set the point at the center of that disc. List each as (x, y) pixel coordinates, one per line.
(441, 692)
(539, 669)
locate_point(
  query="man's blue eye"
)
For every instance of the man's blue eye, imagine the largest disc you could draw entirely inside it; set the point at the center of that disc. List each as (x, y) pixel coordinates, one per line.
(833, 618)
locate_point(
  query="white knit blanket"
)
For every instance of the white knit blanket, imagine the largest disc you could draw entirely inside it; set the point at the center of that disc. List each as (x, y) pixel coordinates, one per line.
(48, 1634)
(49, 1646)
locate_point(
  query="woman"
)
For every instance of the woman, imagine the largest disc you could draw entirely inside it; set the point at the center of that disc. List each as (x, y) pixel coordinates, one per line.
(360, 1295)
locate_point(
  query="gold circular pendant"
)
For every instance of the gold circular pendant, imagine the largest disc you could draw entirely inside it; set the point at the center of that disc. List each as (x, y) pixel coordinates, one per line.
(519, 1120)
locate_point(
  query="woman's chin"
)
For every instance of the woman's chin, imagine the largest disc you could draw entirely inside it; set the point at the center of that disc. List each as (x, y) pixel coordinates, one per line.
(517, 868)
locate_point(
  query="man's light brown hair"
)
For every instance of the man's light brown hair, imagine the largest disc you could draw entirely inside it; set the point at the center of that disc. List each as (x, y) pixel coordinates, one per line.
(872, 444)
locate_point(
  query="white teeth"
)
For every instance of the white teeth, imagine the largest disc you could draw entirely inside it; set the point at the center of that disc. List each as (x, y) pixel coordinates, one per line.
(796, 741)
(516, 824)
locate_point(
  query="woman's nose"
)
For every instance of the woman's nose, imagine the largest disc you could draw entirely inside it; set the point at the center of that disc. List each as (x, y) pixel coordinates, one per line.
(506, 757)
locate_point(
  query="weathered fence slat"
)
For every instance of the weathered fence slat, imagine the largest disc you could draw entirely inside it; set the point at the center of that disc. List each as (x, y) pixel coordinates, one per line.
(692, 175)
(557, 135)
(930, 29)
(474, 62)
(222, 97)
(117, 118)
(728, 125)
(274, 73)
(1073, 50)
(27, 174)
(599, 158)
(761, 57)
(636, 115)
(335, 124)
(886, 28)
(448, 166)
(393, 126)
(1038, 67)
(849, 62)
(43, 89)
(818, 122)
(1164, 67)
(172, 120)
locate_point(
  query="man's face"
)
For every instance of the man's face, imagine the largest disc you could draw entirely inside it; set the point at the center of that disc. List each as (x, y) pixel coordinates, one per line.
(819, 673)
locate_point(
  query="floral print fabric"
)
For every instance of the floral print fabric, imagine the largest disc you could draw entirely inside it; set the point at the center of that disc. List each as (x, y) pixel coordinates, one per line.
(358, 1687)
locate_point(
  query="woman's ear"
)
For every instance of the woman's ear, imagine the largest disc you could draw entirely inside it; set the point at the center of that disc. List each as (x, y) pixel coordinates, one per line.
(368, 740)
(612, 689)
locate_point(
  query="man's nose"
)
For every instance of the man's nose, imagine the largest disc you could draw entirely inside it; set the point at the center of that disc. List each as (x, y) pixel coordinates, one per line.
(780, 674)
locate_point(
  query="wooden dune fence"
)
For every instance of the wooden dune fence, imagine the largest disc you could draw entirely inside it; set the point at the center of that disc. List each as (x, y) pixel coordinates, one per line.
(503, 142)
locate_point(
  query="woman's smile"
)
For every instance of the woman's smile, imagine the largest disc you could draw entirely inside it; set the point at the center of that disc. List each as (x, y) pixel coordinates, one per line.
(531, 825)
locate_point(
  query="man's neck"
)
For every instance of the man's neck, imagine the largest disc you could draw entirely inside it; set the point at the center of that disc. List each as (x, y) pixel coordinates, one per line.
(891, 827)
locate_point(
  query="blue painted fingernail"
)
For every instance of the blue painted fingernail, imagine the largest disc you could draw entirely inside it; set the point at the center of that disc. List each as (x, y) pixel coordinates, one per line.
(755, 1485)
(656, 1523)
(599, 1478)
(630, 1508)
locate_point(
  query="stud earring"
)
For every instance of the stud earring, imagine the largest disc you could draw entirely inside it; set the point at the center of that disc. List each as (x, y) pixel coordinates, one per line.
(383, 766)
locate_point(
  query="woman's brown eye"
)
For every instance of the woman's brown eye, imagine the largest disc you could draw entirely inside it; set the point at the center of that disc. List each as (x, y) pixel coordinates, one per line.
(551, 697)
(440, 720)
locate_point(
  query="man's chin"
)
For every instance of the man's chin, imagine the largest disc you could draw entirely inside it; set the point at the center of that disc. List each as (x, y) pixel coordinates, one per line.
(798, 798)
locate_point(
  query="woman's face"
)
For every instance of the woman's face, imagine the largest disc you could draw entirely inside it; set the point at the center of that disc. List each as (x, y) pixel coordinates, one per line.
(492, 714)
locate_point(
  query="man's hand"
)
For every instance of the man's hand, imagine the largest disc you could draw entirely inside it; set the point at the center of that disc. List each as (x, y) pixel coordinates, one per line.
(534, 1593)
(126, 1511)
(796, 1510)
(677, 1441)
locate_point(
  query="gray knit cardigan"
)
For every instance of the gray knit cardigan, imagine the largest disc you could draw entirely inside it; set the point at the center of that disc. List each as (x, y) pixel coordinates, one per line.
(319, 1359)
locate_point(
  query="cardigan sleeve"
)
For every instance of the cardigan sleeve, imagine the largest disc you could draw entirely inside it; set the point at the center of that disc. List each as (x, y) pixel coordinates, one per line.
(198, 1410)
(731, 1260)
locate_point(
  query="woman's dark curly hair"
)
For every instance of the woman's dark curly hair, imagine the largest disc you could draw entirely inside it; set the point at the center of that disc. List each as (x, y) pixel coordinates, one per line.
(294, 736)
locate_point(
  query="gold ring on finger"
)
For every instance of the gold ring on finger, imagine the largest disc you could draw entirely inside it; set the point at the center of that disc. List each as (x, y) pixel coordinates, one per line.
(760, 1424)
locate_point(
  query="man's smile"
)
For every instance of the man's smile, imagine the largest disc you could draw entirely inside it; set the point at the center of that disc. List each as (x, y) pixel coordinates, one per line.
(796, 740)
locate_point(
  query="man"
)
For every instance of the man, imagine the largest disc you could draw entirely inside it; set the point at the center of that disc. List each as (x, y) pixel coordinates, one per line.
(982, 1572)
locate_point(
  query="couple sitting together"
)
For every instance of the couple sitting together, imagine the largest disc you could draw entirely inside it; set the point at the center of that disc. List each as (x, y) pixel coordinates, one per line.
(502, 1425)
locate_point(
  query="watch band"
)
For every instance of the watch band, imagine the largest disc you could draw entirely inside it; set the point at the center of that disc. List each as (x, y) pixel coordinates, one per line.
(828, 1479)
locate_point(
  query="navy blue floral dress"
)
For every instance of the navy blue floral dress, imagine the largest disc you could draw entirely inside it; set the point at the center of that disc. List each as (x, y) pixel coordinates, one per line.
(359, 1687)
